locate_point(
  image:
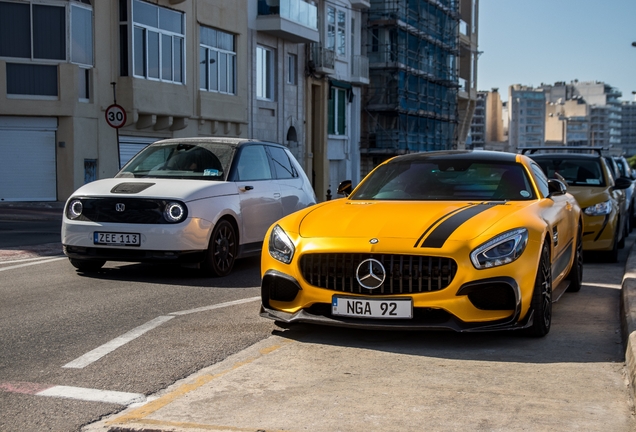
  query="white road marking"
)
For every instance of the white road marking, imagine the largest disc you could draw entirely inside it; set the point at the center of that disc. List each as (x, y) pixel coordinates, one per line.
(108, 347)
(216, 306)
(603, 285)
(93, 395)
(30, 259)
(32, 263)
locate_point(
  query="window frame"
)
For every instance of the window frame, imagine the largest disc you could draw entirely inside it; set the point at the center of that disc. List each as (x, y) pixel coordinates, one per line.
(336, 31)
(292, 69)
(337, 120)
(231, 66)
(265, 73)
(146, 29)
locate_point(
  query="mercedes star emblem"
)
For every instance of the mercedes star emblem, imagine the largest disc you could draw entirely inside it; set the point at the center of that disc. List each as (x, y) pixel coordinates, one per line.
(370, 274)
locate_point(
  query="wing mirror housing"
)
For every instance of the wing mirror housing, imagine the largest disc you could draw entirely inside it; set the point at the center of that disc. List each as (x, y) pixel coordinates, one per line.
(345, 187)
(556, 187)
(622, 183)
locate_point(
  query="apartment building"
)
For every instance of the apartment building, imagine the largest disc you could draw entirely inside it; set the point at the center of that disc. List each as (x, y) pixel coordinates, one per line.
(526, 110)
(628, 127)
(487, 125)
(422, 71)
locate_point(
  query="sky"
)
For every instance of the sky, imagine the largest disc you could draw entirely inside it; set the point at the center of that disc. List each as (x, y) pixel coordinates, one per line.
(531, 42)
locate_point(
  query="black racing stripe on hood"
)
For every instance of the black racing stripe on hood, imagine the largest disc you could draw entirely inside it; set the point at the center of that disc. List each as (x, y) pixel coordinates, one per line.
(438, 237)
(437, 221)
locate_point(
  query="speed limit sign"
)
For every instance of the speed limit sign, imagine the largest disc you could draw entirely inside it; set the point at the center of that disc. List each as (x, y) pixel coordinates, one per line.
(115, 116)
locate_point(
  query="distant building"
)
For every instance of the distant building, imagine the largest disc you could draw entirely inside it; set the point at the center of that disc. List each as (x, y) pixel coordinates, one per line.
(628, 128)
(487, 125)
(526, 117)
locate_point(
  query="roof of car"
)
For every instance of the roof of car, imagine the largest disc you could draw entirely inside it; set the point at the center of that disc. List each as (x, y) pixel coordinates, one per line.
(564, 155)
(474, 155)
(234, 142)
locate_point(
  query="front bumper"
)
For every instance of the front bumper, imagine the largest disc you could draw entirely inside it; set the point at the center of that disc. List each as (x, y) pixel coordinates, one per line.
(278, 288)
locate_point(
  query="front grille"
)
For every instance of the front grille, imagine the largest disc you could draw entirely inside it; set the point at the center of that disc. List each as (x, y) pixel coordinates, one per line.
(405, 274)
(136, 211)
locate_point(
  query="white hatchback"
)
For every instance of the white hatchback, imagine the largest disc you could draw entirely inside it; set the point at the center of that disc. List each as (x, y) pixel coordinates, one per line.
(192, 200)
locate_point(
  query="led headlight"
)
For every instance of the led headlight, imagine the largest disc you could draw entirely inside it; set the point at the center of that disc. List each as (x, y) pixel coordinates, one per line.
(280, 245)
(500, 250)
(74, 209)
(600, 209)
(174, 212)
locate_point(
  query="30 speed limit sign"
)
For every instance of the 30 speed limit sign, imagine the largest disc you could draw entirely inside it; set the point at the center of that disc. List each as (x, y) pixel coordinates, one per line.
(115, 116)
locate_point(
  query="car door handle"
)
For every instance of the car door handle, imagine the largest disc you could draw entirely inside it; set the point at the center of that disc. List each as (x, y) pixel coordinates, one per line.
(276, 195)
(246, 188)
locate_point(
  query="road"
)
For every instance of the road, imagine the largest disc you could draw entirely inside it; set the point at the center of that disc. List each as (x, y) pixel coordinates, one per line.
(135, 329)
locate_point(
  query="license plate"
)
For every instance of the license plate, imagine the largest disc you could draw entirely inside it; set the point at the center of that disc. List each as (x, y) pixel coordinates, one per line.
(372, 308)
(116, 239)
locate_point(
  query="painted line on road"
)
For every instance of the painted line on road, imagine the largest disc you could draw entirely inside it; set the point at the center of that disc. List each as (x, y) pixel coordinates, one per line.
(29, 259)
(603, 285)
(93, 395)
(99, 352)
(216, 306)
(45, 261)
(107, 348)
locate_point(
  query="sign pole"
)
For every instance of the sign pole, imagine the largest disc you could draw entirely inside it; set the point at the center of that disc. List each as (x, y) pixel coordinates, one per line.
(114, 84)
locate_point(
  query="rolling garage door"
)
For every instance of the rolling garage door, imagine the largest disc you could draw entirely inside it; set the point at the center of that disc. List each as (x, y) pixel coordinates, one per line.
(27, 159)
(129, 146)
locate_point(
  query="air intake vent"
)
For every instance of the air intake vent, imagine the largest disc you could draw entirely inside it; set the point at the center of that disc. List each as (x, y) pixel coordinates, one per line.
(130, 188)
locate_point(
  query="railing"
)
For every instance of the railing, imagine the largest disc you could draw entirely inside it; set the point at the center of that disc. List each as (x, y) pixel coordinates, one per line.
(360, 67)
(297, 11)
(323, 58)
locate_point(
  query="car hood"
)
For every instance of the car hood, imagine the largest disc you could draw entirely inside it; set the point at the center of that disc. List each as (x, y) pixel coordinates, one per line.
(426, 221)
(587, 196)
(181, 189)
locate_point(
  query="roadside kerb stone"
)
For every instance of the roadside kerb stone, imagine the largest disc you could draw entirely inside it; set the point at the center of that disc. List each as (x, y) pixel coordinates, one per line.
(628, 317)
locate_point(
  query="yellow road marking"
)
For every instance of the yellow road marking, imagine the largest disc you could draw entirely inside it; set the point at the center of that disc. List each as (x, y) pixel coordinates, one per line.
(138, 414)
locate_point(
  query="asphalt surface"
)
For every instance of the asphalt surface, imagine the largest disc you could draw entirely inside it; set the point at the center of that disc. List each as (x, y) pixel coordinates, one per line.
(263, 387)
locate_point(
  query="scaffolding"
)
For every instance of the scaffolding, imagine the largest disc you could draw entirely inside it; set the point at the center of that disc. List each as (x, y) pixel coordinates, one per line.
(411, 101)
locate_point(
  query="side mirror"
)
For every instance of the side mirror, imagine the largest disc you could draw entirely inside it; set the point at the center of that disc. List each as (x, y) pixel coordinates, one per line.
(556, 187)
(345, 188)
(622, 183)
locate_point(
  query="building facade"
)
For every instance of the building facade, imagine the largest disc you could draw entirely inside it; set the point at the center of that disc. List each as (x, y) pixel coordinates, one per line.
(289, 71)
(526, 110)
(628, 128)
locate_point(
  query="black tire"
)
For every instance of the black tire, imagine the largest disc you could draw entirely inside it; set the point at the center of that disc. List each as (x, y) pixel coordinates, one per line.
(222, 250)
(87, 265)
(575, 276)
(542, 297)
(612, 255)
(621, 241)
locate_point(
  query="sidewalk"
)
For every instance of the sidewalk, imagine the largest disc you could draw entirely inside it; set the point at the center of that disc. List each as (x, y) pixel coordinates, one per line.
(31, 210)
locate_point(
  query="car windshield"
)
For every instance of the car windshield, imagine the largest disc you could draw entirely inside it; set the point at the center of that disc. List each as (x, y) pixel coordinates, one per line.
(448, 179)
(575, 171)
(191, 160)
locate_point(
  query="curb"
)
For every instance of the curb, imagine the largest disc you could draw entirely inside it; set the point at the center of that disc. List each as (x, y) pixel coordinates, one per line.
(628, 317)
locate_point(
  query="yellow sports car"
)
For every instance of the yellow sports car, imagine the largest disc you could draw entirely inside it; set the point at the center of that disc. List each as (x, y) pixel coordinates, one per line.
(461, 240)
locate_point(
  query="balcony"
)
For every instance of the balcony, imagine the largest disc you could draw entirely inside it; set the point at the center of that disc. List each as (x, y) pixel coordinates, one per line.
(361, 4)
(360, 69)
(292, 20)
(322, 60)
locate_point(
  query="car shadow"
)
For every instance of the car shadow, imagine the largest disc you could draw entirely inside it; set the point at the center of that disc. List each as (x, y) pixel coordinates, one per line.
(245, 274)
(580, 333)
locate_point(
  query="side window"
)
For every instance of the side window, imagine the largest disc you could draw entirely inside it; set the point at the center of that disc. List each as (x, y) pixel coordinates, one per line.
(282, 165)
(253, 164)
(542, 180)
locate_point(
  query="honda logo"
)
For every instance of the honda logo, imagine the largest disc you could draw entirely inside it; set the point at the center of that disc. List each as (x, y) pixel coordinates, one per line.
(120, 207)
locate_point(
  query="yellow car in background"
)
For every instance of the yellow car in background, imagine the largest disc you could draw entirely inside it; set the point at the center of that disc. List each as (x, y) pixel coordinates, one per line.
(599, 194)
(461, 240)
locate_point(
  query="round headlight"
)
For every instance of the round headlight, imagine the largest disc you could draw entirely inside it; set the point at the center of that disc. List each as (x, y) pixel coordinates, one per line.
(174, 212)
(75, 208)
